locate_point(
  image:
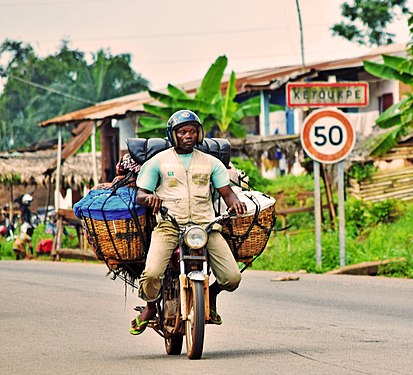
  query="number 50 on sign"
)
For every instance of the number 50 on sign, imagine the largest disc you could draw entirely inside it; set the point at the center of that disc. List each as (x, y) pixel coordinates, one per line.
(327, 136)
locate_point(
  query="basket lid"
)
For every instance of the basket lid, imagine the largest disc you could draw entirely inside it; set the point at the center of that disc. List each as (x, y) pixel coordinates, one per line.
(109, 205)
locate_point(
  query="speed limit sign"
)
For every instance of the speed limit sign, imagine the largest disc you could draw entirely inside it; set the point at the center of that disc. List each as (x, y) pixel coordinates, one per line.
(328, 136)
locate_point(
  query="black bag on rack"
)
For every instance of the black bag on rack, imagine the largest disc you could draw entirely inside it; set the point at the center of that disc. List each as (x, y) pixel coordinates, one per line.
(142, 149)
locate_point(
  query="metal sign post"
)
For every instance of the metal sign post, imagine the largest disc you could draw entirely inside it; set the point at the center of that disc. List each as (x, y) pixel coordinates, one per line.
(328, 137)
(341, 215)
(317, 213)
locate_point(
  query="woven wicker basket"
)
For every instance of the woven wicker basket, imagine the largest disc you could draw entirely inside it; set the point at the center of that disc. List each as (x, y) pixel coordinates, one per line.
(245, 245)
(117, 239)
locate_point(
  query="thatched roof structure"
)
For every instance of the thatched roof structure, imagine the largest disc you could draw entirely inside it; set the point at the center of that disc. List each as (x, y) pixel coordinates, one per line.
(30, 168)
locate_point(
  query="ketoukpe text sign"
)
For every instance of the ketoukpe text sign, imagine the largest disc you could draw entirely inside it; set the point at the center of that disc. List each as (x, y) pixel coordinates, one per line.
(322, 94)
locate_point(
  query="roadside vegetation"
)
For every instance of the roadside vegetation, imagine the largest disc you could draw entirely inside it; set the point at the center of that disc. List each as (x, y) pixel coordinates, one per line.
(374, 231)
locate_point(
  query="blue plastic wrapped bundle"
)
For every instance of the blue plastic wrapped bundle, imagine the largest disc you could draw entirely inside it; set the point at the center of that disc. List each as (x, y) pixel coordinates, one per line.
(115, 225)
(109, 205)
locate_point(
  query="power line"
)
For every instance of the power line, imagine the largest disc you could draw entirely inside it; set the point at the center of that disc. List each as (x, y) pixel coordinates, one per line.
(38, 85)
(178, 35)
(169, 35)
(70, 2)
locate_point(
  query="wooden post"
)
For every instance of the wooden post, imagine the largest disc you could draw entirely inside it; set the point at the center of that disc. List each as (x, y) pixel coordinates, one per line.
(11, 206)
(331, 208)
(49, 192)
(93, 141)
(58, 167)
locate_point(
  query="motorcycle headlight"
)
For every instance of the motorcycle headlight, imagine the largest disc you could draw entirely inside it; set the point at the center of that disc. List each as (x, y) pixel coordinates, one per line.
(196, 237)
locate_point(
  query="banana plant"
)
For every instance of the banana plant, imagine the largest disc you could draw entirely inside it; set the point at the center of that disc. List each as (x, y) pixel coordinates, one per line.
(397, 119)
(215, 109)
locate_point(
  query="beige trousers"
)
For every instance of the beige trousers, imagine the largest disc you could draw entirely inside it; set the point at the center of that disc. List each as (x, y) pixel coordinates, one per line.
(163, 243)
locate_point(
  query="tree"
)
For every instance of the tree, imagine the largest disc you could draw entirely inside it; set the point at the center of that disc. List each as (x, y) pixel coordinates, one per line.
(216, 110)
(40, 88)
(397, 119)
(367, 21)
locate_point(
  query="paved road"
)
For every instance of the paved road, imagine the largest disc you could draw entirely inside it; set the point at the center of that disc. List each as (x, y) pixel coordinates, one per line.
(68, 318)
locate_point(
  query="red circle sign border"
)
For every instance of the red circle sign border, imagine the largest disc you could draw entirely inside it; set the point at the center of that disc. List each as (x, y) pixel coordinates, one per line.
(324, 158)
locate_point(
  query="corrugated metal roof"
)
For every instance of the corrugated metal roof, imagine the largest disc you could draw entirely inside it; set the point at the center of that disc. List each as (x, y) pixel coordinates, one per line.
(247, 81)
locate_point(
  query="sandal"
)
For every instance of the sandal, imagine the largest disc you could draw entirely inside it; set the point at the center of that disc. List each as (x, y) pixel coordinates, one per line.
(214, 318)
(138, 327)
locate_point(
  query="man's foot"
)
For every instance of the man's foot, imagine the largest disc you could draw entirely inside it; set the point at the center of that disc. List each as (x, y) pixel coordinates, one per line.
(139, 324)
(214, 318)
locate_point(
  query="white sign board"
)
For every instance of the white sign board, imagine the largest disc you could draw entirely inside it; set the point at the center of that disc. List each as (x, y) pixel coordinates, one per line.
(328, 136)
(325, 94)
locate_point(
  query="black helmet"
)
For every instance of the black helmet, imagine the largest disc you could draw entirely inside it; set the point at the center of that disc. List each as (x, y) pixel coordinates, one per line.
(181, 118)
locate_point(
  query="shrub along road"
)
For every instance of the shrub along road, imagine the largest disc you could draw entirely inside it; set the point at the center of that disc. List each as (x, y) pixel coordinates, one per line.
(67, 318)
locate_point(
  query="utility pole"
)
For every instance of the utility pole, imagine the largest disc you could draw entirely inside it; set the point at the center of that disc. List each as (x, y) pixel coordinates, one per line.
(301, 33)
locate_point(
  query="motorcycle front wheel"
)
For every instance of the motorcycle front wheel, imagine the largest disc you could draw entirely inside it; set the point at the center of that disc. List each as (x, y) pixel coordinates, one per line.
(195, 324)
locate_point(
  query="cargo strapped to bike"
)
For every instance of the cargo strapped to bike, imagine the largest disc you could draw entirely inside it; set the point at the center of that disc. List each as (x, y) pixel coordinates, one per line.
(117, 229)
(247, 235)
(142, 149)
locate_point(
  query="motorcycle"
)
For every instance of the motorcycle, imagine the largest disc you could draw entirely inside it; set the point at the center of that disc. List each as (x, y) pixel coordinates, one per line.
(183, 306)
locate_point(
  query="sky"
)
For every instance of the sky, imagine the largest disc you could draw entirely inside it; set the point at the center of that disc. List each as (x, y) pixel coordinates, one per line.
(175, 41)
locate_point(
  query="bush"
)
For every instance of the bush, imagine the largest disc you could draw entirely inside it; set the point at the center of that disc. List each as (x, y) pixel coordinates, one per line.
(362, 215)
(362, 172)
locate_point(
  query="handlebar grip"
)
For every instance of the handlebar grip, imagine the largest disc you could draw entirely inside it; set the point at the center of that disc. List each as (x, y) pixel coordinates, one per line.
(163, 211)
(232, 213)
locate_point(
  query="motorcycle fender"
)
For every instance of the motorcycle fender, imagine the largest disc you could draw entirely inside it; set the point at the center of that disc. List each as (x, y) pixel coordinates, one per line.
(196, 276)
(206, 297)
(183, 286)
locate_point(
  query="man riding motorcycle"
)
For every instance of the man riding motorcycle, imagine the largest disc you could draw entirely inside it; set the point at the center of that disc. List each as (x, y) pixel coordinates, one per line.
(179, 178)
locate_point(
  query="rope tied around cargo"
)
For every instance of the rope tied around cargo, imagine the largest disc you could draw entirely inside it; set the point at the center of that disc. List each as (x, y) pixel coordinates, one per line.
(116, 228)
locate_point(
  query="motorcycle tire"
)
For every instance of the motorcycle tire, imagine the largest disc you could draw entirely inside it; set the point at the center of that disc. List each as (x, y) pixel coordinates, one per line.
(173, 345)
(195, 324)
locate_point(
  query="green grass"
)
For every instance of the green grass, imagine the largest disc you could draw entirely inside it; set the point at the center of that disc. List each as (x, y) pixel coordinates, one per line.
(378, 241)
(68, 241)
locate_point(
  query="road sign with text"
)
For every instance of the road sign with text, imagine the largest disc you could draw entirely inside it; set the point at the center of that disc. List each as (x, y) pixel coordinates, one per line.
(324, 94)
(328, 136)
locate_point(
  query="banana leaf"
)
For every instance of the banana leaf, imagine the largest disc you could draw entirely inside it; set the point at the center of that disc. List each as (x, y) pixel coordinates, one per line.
(387, 141)
(161, 97)
(177, 93)
(401, 64)
(151, 127)
(254, 109)
(211, 83)
(393, 115)
(162, 112)
(383, 71)
(237, 130)
(151, 133)
(151, 122)
(229, 107)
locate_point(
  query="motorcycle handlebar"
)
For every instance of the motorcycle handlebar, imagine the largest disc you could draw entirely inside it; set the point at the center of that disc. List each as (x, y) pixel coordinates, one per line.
(165, 215)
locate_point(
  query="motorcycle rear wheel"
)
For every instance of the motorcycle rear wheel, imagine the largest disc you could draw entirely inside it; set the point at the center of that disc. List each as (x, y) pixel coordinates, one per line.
(173, 345)
(195, 324)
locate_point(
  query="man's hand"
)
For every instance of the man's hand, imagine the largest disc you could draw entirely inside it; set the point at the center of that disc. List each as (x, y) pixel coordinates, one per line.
(154, 202)
(232, 201)
(239, 207)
